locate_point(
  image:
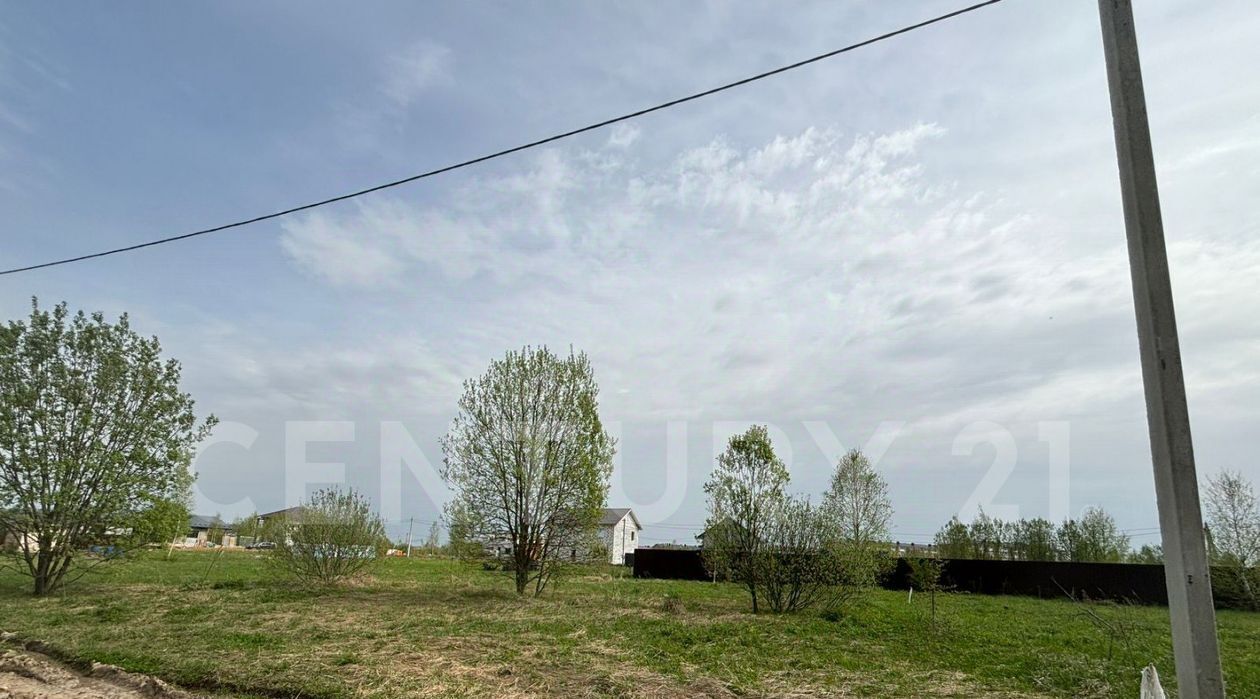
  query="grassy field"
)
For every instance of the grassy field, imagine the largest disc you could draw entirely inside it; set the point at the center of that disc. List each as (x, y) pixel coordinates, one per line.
(437, 628)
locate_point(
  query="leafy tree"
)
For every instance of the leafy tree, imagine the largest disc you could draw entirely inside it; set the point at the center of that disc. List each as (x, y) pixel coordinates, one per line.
(1093, 538)
(925, 576)
(530, 460)
(745, 491)
(954, 540)
(1104, 541)
(858, 507)
(249, 529)
(858, 497)
(1034, 540)
(984, 538)
(215, 533)
(160, 521)
(335, 535)
(1233, 519)
(1148, 554)
(94, 435)
(990, 537)
(1070, 541)
(462, 541)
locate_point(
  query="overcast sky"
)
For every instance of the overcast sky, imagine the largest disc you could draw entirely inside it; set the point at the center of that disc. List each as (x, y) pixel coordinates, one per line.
(916, 247)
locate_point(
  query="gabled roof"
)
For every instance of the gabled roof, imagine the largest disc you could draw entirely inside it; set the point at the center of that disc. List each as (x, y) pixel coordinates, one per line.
(204, 522)
(612, 515)
(293, 513)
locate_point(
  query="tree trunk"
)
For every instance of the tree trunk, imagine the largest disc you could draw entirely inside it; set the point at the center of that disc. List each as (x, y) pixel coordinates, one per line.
(43, 572)
(1244, 577)
(522, 574)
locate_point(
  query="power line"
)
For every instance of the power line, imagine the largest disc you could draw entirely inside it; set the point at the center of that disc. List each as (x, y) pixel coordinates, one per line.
(514, 149)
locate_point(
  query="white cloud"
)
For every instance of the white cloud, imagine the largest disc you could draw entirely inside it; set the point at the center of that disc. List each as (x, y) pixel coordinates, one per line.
(415, 70)
(331, 249)
(623, 135)
(801, 266)
(816, 276)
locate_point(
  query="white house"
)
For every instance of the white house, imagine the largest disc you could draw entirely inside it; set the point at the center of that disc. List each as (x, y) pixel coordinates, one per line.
(619, 530)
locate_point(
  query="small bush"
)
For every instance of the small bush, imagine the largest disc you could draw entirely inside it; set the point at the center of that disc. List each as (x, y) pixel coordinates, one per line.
(334, 536)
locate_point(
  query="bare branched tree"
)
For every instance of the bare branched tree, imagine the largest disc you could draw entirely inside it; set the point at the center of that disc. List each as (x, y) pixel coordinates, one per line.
(433, 541)
(530, 460)
(1233, 519)
(95, 440)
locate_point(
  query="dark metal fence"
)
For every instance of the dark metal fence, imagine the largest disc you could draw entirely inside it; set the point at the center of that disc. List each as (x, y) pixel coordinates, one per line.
(1131, 582)
(669, 564)
(1142, 584)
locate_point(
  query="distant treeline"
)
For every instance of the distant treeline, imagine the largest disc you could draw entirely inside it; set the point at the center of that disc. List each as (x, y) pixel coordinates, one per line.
(1094, 538)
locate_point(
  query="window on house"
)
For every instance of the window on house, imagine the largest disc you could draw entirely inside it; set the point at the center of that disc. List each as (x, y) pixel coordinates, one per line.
(632, 536)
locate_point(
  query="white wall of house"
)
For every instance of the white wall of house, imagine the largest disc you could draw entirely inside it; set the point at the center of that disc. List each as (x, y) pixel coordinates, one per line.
(620, 539)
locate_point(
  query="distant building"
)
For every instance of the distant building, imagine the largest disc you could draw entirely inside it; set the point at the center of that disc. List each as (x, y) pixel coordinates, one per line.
(292, 515)
(199, 528)
(619, 531)
(725, 528)
(276, 525)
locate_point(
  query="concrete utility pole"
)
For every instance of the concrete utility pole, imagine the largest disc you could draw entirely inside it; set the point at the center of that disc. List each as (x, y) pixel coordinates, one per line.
(411, 523)
(1176, 485)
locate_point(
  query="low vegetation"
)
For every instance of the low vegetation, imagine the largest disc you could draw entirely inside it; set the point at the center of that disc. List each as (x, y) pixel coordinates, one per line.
(336, 536)
(788, 554)
(439, 628)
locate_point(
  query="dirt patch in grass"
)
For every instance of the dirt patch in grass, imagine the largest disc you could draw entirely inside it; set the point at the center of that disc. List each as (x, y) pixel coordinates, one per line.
(26, 674)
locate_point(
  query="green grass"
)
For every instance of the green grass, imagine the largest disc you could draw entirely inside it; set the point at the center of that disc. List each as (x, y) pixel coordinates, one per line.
(437, 628)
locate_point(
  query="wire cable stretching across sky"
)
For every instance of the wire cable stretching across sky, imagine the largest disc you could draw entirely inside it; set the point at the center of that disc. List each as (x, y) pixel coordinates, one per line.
(515, 149)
